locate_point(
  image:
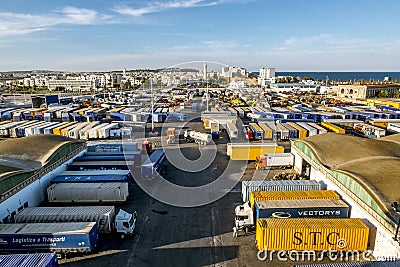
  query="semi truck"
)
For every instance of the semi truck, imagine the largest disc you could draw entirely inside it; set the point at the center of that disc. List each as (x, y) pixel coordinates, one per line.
(113, 192)
(246, 214)
(197, 137)
(312, 234)
(62, 238)
(277, 160)
(108, 222)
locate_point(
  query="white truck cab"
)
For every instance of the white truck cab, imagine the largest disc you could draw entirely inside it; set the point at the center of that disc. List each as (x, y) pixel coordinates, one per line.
(244, 218)
(125, 223)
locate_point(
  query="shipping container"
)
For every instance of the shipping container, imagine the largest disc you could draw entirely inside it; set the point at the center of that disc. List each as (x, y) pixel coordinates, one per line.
(74, 133)
(292, 195)
(302, 133)
(54, 237)
(267, 131)
(284, 133)
(310, 130)
(100, 165)
(88, 192)
(301, 208)
(29, 260)
(314, 234)
(333, 127)
(94, 173)
(258, 133)
(293, 132)
(250, 151)
(58, 129)
(281, 185)
(84, 132)
(102, 215)
(49, 129)
(232, 130)
(65, 131)
(153, 164)
(320, 129)
(105, 178)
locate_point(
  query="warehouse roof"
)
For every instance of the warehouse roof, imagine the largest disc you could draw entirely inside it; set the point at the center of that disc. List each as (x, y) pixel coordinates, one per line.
(375, 162)
(29, 152)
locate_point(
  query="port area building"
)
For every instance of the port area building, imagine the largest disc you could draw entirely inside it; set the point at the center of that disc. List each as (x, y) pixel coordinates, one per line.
(366, 173)
(364, 91)
(26, 167)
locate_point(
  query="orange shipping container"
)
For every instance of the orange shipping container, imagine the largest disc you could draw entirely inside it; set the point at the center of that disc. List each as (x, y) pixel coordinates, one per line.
(311, 234)
(292, 195)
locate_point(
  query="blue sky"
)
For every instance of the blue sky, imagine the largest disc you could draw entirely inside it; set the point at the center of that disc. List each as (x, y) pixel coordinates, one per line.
(290, 35)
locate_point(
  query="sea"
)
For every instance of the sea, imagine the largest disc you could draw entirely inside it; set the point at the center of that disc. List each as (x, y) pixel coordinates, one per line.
(344, 76)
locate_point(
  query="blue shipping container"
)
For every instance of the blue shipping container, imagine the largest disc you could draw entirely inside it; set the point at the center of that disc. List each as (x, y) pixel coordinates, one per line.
(83, 166)
(304, 208)
(29, 260)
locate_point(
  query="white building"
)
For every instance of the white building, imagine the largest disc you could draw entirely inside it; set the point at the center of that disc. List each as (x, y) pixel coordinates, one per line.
(266, 77)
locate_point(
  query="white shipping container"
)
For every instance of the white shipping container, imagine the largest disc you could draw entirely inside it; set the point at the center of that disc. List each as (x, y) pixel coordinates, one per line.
(88, 192)
(281, 185)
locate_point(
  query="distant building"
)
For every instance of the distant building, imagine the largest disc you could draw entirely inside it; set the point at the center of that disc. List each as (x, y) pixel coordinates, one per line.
(266, 77)
(233, 72)
(363, 91)
(294, 87)
(71, 85)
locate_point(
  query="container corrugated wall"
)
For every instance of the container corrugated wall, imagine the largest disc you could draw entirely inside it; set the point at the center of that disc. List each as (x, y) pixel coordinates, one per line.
(311, 234)
(29, 260)
(282, 185)
(292, 195)
(252, 151)
(333, 127)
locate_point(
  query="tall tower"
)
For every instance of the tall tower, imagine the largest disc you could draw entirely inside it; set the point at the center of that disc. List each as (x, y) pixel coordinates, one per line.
(205, 71)
(124, 71)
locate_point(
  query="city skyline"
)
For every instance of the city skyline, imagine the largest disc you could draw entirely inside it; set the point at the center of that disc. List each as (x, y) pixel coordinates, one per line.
(308, 35)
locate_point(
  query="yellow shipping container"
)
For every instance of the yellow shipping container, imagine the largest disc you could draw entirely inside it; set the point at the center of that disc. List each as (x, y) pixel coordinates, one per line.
(292, 195)
(301, 130)
(333, 127)
(251, 151)
(206, 123)
(57, 130)
(314, 234)
(266, 129)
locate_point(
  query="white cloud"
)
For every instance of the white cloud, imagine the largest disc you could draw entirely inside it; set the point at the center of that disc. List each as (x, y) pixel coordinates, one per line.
(18, 23)
(82, 16)
(323, 40)
(162, 6)
(215, 44)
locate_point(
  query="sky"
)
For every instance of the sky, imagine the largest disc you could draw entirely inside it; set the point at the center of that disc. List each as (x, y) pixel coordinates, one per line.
(290, 35)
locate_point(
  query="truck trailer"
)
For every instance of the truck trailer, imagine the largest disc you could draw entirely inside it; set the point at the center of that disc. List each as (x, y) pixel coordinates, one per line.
(61, 238)
(107, 220)
(277, 160)
(88, 192)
